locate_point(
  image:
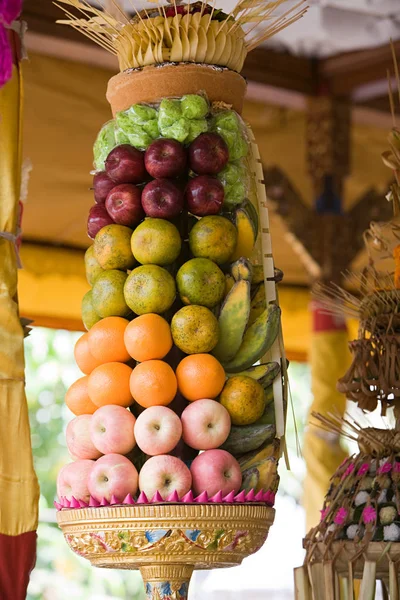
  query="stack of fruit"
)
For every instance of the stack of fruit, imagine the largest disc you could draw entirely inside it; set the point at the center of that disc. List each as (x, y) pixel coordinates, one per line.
(176, 318)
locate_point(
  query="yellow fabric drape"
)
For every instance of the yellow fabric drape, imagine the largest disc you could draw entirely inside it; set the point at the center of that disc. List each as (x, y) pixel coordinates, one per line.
(19, 492)
(329, 359)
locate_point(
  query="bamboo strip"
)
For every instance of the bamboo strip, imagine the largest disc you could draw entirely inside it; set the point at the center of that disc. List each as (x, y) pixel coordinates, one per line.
(368, 583)
(350, 582)
(302, 587)
(329, 577)
(393, 581)
(316, 575)
(270, 286)
(344, 588)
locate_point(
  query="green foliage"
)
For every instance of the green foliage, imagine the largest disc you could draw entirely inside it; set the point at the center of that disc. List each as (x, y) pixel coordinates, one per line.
(59, 573)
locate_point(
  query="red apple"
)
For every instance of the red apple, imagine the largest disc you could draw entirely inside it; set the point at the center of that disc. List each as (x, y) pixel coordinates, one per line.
(72, 480)
(204, 195)
(158, 430)
(102, 185)
(79, 443)
(165, 158)
(165, 474)
(215, 470)
(97, 219)
(125, 164)
(208, 154)
(124, 205)
(206, 424)
(112, 475)
(112, 429)
(162, 198)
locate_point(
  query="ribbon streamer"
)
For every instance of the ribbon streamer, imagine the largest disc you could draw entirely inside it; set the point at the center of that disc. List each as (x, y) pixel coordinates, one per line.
(11, 237)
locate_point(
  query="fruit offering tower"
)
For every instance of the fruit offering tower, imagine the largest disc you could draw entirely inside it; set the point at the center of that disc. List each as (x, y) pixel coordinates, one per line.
(180, 413)
(359, 533)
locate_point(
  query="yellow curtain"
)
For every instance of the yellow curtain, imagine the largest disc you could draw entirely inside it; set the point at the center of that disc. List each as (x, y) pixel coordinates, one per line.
(19, 492)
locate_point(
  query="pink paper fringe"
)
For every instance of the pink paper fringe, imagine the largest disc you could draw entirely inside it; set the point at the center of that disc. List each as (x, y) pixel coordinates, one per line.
(265, 497)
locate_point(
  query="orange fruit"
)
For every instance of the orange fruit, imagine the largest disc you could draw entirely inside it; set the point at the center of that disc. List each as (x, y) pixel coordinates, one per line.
(200, 376)
(153, 383)
(148, 337)
(77, 398)
(84, 358)
(109, 384)
(106, 340)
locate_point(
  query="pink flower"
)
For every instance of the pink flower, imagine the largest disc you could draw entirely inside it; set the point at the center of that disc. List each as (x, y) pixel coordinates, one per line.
(385, 468)
(10, 10)
(340, 516)
(324, 512)
(369, 514)
(348, 471)
(363, 470)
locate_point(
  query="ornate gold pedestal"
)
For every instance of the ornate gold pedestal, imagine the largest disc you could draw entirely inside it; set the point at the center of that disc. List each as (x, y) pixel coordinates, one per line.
(167, 541)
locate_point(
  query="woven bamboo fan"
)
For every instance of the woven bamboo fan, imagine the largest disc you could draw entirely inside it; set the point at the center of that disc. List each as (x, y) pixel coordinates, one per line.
(359, 533)
(182, 31)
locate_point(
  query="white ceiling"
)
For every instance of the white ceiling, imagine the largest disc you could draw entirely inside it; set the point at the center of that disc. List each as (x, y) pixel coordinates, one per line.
(330, 26)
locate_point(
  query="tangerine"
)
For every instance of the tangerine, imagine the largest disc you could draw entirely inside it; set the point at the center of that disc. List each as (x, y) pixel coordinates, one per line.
(153, 383)
(83, 357)
(148, 337)
(112, 247)
(77, 398)
(200, 376)
(106, 340)
(109, 384)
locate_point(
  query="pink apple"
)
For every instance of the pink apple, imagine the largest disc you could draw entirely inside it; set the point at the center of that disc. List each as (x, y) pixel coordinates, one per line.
(206, 424)
(73, 478)
(125, 164)
(158, 430)
(79, 442)
(162, 198)
(204, 195)
(112, 429)
(215, 470)
(113, 474)
(208, 154)
(102, 185)
(97, 219)
(165, 158)
(124, 204)
(166, 474)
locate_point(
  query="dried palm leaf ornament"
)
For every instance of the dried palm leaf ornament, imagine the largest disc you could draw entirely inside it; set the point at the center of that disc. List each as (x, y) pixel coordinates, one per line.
(359, 532)
(374, 374)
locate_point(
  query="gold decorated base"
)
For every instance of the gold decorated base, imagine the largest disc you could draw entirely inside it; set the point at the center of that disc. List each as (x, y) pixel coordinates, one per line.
(167, 541)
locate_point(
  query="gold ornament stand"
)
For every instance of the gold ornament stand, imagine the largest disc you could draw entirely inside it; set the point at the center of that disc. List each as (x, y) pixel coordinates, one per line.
(166, 542)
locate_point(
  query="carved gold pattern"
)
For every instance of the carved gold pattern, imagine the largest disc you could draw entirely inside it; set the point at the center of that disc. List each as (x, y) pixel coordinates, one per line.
(167, 541)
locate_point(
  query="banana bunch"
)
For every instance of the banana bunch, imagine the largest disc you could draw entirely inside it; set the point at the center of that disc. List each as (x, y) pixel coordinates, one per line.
(260, 468)
(246, 221)
(247, 326)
